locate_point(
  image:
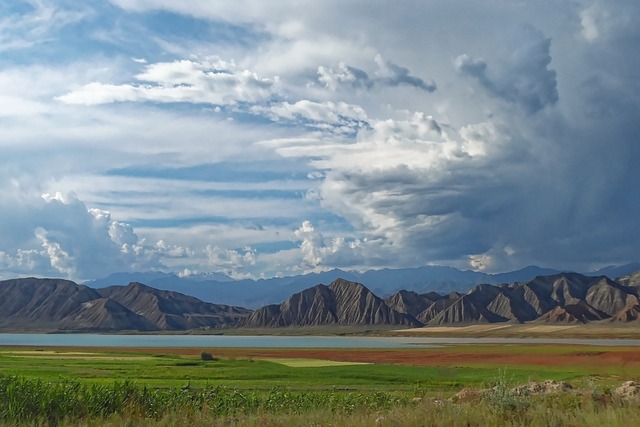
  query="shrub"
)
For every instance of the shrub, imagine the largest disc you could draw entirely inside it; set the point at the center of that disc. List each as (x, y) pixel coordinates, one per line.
(205, 355)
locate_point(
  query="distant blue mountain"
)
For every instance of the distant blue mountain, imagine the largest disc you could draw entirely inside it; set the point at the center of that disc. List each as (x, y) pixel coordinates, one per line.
(614, 271)
(126, 278)
(221, 289)
(245, 293)
(524, 274)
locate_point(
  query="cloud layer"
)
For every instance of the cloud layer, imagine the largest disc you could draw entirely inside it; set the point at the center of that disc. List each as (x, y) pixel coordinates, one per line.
(262, 140)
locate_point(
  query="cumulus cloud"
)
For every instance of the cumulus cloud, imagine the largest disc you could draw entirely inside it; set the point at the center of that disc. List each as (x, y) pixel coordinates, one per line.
(207, 81)
(57, 234)
(589, 19)
(331, 116)
(394, 75)
(522, 77)
(604, 21)
(387, 74)
(524, 158)
(230, 261)
(59, 258)
(417, 189)
(320, 253)
(344, 75)
(404, 179)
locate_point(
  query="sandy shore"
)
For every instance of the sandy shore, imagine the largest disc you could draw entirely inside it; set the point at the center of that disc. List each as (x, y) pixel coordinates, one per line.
(533, 330)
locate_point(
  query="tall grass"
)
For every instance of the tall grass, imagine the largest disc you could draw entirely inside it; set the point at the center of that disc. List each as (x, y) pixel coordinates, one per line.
(25, 400)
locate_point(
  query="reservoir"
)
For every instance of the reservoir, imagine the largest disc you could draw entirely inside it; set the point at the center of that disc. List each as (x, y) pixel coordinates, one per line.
(271, 341)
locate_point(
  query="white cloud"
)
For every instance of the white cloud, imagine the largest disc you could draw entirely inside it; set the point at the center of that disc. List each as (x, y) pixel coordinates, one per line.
(603, 21)
(344, 75)
(319, 253)
(410, 186)
(230, 261)
(58, 231)
(22, 31)
(337, 117)
(589, 21)
(480, 262)
(59, 258)
(122, 233)
(530, 146)
(207, 81)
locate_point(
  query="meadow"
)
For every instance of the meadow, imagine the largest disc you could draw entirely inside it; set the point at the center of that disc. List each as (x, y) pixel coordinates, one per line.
(161, 386)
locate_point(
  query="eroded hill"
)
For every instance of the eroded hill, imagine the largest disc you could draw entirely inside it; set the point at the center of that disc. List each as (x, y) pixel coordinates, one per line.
(55, 304)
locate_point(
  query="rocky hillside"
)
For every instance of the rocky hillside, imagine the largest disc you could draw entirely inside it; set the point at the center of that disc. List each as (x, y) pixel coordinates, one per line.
(54, 304)
(566, 297)
(168, 310)
(50, 304)
(632, 280)
(341, 303)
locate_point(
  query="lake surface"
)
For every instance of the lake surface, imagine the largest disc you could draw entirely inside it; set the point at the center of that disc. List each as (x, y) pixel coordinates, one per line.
(212, 341)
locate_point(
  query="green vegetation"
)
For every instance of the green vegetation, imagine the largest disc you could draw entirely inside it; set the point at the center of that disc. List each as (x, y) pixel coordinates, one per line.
(67, 402)
(114, 388)
(32, 400)
(254, 374)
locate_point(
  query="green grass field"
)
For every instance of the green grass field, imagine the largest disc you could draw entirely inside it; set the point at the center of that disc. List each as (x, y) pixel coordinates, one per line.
(255, 373)
(243, 387)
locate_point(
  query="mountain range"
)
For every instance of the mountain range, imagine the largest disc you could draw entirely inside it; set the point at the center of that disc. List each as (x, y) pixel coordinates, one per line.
(220, 289)
(565, 297)
(55, 304)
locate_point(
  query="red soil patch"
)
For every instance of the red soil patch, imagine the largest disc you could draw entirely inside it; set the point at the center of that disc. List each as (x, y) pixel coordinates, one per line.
(453, 356)
(446, 358)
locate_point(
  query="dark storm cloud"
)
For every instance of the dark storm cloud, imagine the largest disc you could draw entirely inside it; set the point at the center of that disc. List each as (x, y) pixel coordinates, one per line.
(523, 75)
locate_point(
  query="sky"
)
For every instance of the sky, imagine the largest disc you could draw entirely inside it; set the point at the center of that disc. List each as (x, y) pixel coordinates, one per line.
(264, 139)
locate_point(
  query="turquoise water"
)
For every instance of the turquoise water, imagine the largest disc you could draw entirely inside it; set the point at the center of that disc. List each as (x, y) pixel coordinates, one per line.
(212, 341)
(97, 340)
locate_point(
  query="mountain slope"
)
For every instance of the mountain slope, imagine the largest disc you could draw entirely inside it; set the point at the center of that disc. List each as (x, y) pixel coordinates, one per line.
(104, 314)
(55, 304)
(169, 310)
(564, 297)
(51, 304)
(341, 303)
(632, 280)
(411, 302)
(45, 301)
(569, 297)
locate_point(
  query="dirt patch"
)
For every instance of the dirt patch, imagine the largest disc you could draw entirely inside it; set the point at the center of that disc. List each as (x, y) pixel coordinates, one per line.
(452, 356)
(527, 330)
(309, 363)
(449, 357)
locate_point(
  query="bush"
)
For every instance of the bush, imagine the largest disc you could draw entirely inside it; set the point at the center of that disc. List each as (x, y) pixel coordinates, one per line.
(205, 355)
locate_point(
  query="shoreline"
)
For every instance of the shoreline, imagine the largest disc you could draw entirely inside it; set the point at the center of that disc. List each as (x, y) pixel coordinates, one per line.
(491, 330)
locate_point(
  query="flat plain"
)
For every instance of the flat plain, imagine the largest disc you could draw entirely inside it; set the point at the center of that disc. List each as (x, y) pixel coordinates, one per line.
(444, 369)
(373, 383)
